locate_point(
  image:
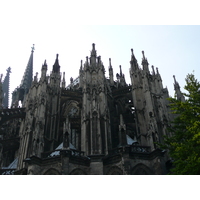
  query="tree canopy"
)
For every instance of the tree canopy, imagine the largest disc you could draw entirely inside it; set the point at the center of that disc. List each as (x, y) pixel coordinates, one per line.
(184, 142)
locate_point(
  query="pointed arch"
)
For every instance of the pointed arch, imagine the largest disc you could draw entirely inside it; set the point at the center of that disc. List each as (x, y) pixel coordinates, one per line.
(52, 171)
(114, 171)
(141, 169)
(77, 171)
(72, 122)
(68, 106)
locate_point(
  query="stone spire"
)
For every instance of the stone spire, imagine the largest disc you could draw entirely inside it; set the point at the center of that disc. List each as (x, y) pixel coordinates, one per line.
(133, 62)
(81, 67)
(120, 67)
(176, 84)
(93, 55)
(178, 90)
(56, 66)
(63, 81)
(145, 63)
(158, 74)
(110, 72)
(93, 52)
(153, 70)
(44, 70)
(44, 66)
(86, 63)
(20, 92)
(28, 74)
(5, 87)
(121, 77)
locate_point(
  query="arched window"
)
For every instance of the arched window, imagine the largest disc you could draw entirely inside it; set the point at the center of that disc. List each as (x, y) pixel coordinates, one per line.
(71, 113)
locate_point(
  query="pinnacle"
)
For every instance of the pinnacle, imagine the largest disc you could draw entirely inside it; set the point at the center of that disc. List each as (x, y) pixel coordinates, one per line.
(132, 51)
(93, 46)
(56, 66)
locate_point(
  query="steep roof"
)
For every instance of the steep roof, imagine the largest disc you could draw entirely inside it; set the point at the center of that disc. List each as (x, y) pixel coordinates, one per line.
(129, 140)
(57, 152)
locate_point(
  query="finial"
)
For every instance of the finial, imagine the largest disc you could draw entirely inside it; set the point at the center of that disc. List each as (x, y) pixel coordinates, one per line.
(157, 70)
(93, 46)
(174, 78)
(153, 70)
(57, 56)
(87, 59)
(110, 61)
(93, 53)
(63, 81)
(44, 69)
(143, 54)
(33, 48)
(120, 67)
(45, 63)
(132, 51)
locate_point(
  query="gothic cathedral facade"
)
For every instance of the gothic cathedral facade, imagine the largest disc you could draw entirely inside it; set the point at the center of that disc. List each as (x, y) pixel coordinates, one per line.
(93, 126)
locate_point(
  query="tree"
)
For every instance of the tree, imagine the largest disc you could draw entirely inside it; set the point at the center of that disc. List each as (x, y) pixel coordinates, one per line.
(184, 142)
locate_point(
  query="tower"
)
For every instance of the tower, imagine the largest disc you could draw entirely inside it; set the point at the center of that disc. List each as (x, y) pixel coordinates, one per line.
(20, 92)
(150, 102)
(39, 131)
(95, 116)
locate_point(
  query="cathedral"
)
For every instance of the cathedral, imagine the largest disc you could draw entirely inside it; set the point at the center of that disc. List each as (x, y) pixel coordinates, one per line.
(93, 126)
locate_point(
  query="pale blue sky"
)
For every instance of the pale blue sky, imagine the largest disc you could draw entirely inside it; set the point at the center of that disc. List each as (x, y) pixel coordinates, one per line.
(173, 49)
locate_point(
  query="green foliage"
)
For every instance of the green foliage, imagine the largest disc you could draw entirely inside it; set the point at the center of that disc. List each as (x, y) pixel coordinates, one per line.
(184, 143)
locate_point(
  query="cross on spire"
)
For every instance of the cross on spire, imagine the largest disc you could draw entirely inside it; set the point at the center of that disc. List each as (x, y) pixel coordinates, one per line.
(33, 48)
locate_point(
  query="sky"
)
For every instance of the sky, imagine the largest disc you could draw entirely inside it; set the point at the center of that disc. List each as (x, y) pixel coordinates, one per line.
(69, 29)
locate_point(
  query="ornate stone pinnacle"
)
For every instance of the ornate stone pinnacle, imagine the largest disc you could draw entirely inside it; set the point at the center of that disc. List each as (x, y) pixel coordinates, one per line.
(93, 46)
